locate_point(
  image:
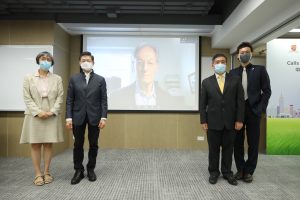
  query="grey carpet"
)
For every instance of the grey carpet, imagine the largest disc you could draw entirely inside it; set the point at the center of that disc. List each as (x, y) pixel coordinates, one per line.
(150, 174)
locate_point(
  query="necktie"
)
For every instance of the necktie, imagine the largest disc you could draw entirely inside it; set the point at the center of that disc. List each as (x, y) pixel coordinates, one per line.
(244, 83)
(221, 83)
(87, 77)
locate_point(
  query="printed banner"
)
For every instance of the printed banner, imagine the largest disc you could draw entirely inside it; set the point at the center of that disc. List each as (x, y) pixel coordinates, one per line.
(283, 123)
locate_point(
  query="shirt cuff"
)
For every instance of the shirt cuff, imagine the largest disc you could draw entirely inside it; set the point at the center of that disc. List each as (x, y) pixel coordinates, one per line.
(68, 119)
(103, 118)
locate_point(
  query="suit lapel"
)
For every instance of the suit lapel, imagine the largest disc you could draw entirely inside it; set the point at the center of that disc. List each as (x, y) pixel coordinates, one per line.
(91, 78)
(227, 83)
(89, 81)
(215, 83)
(35, 91)
(83, 81)
(250, 74)
(50, 82)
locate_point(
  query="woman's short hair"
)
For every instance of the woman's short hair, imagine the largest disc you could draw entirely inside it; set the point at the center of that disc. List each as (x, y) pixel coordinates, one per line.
(44, 53)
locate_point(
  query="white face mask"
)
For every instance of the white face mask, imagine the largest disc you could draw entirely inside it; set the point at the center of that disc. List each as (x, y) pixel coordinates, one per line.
(86, 66)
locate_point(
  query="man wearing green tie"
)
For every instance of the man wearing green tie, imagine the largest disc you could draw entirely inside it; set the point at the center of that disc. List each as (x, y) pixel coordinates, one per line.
(221, 115)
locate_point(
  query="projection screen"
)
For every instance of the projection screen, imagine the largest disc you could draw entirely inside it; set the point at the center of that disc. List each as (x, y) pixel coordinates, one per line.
(147, 72)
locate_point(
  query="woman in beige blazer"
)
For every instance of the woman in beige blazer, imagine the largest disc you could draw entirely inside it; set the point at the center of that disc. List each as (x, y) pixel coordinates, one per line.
(43, 96)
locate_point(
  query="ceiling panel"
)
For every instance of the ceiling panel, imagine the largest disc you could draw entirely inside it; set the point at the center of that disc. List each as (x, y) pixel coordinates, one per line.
(198, 12)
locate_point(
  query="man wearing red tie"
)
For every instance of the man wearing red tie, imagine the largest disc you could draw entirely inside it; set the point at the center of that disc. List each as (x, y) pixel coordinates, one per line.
(221, 114)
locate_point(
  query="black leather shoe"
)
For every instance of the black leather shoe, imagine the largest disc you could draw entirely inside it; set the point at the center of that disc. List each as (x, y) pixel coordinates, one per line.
(91, 175)
(78, 176)
(239, 175)
(248, 178)
(231, 180)
(213, 179)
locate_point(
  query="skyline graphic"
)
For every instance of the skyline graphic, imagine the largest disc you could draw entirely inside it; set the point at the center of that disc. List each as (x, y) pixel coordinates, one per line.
(282, 110)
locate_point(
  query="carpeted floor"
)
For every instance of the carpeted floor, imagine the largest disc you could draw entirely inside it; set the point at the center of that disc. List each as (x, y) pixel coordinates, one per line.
(150, 174)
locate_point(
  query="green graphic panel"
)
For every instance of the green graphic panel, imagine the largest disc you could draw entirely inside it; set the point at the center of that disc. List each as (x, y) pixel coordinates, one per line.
(283, 136)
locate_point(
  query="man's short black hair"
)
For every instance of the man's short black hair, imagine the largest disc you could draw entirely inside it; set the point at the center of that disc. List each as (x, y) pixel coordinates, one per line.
(86, 53)
(44, 53)
(219, 55)
(243, 45)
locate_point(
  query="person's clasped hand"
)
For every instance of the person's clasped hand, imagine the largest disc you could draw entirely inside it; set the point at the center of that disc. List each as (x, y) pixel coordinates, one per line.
(45, 115)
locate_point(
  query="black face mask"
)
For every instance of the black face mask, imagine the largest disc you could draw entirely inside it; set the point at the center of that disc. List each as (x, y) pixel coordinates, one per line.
(244, 58)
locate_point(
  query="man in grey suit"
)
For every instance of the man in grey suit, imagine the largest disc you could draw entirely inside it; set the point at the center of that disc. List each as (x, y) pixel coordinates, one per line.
(86, 105)
(222, 113)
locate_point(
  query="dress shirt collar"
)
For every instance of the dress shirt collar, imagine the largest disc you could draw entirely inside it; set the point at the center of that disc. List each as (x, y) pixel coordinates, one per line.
(145, 101)
(88, 74)
(247, 66)
(139, 91)
(220, 75)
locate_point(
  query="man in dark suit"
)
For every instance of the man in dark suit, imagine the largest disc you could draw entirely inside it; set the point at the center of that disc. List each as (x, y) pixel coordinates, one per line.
(257, 90)
(86, 105)
(145, 92)
(221, 114)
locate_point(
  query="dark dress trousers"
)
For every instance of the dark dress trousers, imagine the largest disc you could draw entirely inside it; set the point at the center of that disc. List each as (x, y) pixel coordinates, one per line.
(220, 112)
(259, 93)
(86, 105)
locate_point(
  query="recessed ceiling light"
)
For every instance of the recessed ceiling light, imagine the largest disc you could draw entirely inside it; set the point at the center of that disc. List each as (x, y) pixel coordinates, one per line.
(295, 30)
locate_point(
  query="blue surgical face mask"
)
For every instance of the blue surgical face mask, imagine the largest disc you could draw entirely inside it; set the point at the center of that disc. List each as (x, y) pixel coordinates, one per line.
(45, 65)
(220, 68)
(245, 58)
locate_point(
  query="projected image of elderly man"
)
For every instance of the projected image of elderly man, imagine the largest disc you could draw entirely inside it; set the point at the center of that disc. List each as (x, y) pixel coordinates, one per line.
(145, 92)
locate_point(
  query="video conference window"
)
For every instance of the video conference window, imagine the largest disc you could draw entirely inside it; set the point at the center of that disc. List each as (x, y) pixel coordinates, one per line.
(147, 73)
